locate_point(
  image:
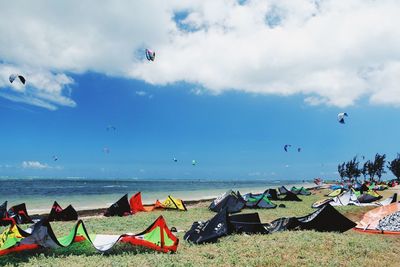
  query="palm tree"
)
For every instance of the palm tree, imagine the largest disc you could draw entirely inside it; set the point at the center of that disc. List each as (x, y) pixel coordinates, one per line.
(370, 169)
(341, 170)
(352, 170)
(364, 170)
(379, 165)
(394, 166)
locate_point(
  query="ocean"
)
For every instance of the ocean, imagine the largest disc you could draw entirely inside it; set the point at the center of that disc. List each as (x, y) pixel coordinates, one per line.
(39, 194)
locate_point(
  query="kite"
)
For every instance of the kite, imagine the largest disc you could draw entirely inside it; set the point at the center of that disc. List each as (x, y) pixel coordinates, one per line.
(341, 116)
(286, 147)
(150, 55)
(13, 77)
(40, 235)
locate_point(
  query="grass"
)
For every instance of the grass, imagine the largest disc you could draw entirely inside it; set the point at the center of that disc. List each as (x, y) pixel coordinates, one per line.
(302, 248)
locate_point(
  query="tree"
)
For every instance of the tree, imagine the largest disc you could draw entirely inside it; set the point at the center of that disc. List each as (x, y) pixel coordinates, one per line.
(352, 170)
(379, 165)
(364, 170)
(370, 169)
(341, 170)
(394, 166)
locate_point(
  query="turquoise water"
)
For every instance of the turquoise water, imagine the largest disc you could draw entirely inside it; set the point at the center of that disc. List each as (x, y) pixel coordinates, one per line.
(39, 194)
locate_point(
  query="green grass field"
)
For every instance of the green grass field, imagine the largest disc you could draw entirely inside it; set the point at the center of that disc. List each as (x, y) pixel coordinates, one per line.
(302, 248)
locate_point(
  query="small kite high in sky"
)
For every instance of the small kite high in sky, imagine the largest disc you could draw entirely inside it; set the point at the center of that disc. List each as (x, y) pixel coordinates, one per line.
(150, 55)
(13, 77)
(194, 162)
(285, 147)
(341, 116)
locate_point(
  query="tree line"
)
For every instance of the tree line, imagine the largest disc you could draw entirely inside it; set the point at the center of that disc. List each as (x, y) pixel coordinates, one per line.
(370, 170)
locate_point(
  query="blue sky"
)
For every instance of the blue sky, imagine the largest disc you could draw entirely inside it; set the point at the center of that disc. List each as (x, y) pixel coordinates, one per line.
(232, 83)
(232, 135)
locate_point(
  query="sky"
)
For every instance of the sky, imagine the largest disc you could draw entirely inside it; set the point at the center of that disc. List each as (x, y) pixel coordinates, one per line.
(232, 83)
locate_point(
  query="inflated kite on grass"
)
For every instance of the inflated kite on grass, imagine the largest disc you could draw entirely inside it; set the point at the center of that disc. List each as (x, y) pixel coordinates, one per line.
(40, 235)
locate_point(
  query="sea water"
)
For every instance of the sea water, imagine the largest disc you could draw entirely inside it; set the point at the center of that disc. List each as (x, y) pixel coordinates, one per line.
(39, 194)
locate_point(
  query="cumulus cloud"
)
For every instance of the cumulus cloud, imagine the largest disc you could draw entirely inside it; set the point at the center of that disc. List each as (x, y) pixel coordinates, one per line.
(332, 52)
(34, 165)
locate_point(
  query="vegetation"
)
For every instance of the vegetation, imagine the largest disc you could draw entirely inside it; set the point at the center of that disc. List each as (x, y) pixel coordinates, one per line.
(352, 170)
(373, 169)
(342, 170)
(394, 167)
(349, 170)
(364, 169)
(379, 165)
(302, 248)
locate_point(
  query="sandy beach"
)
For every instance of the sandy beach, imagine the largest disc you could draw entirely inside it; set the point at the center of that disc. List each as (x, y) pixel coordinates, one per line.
(96, 205)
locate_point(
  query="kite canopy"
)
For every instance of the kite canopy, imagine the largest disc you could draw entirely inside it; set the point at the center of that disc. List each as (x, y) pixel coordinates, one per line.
(136, 204)
(119, 208)
(209, 231)
(300, 191)
(230, 200)
(285, 147)
(350, 198)
(110, 127)
(282, 190)
(13, 77)
(341, 116)
(19, 214)
(326, 219)
(272, 194)
(335, 193)
(368, 197)
(4, 219)
(258, 201)
(57, 213)
(157, 237)
(381, 220)
(290, 197)
(172, 203)
(150, 55)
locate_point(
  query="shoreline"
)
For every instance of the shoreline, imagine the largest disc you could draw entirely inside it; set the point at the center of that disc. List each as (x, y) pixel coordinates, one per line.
(85, 195)
(97, 211)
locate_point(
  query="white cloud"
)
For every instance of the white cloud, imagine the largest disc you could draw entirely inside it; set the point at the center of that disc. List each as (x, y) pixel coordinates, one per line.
(34, 165)
(43, 88)
(332, 52)
(141, 93)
